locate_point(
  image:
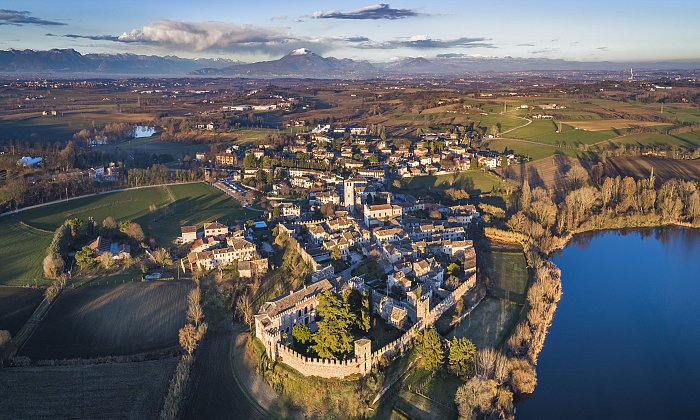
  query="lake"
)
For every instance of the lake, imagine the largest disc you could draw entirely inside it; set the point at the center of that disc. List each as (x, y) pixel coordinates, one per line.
(624, 341)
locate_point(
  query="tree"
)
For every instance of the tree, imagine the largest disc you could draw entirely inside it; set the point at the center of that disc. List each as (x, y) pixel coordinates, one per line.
(85, 257)
(523, 377)
(333, 337)
(525, 195)
(133, 230)
(475, 399)
(195, 313)
(244, 309)
(461, 358)
(53, 266)
(189, 336)
(5, 338)
(109, 225)
(161, 257)
(431, 350)
(335, 253)
(106, 260)
(301, 334)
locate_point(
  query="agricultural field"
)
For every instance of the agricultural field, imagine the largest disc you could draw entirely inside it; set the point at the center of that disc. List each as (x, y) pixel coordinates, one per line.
(545, 131)
(95, 321)
(528, 148)
(16, 306)
(664, 169)
(474, 181)
(31, 231)
(687, 140)
(547, 172)
(104, 391)
(600, 125)
(153, 145)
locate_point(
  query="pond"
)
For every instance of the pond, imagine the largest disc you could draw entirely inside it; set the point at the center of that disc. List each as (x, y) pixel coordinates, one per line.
(624, 340)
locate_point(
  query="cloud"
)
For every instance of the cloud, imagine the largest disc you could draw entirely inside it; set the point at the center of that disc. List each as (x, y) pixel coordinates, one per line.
(544, 51)
(20, 18)
(602, 48)
(425, 42)
(220, 36)
(113, 38)
(525, 45)
(375, 11)
(281, 17)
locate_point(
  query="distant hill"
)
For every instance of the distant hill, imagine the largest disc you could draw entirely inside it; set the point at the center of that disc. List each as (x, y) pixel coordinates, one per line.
(300, 63)
(69, 60)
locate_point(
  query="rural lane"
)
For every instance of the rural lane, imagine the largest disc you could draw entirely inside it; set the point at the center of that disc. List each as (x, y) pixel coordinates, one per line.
(214, 392)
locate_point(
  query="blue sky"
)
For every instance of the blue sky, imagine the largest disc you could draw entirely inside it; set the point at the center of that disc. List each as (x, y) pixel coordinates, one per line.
(596, 30)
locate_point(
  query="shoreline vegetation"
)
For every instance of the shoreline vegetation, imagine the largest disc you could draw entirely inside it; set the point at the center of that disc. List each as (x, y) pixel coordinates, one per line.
(541, 226)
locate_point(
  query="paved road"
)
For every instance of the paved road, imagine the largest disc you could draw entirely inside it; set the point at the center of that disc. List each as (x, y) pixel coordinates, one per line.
(213, 392)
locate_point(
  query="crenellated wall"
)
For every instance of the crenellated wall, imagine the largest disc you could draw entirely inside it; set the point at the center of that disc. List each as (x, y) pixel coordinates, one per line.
(326, 368)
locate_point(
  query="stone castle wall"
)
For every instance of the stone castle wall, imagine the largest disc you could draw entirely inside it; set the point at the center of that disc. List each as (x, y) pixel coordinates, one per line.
(324, 368)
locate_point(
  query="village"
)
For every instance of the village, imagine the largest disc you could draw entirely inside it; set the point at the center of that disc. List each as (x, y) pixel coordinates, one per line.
(410, 259)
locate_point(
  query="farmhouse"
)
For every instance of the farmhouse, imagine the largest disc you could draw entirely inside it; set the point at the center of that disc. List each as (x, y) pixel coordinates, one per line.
(215, 230)
(189, 234)
(102, 245)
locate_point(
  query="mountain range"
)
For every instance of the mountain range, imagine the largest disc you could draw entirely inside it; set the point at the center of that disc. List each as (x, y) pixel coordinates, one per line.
(300, 63)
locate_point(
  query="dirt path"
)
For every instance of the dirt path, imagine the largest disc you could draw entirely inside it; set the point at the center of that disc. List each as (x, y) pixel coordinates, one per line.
(213, 391)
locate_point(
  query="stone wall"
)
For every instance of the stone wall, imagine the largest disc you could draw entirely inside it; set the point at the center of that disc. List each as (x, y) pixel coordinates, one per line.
(324, 368)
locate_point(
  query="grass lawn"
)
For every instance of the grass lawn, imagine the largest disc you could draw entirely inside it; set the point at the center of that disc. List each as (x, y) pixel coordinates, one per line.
(31, 231)
(428, 396)
(474, 181)
(508, 273)
(489, 323)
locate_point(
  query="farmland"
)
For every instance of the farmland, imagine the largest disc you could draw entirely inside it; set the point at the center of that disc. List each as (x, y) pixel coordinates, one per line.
(30, 231)
(97, 321)
(545, 131)
(664, 169)
(548, 172)
(16, 306)
(103, 391)
(599, 125)
(152, 145)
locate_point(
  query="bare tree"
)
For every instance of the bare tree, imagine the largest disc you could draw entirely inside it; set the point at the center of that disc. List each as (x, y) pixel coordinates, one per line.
(53, 266)
(195, 313)
(244, 308)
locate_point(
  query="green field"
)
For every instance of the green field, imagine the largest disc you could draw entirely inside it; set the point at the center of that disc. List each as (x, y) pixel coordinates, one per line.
(690, 139)
(532, 150)
(152, 145)
(27, 234)
(507, 272)
(474, 181)
(489, 323)
(545, 131)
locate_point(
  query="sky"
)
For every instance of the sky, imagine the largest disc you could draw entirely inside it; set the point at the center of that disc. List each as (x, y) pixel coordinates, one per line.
(594, 30)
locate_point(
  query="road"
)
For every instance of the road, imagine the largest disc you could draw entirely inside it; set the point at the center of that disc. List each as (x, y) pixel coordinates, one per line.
(213, 391)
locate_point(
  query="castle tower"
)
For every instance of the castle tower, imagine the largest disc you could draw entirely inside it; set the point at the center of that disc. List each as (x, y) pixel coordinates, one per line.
(423, 307)
(363, 352)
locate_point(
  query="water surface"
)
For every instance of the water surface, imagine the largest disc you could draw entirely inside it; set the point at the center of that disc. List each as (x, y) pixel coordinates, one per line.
(625, 339)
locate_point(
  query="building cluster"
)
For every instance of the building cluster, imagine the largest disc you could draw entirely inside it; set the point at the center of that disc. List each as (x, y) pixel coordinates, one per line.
(417, 263)
(216, 245)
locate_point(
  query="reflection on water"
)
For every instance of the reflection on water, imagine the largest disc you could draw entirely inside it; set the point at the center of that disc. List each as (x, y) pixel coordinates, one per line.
(624, 338)
(144, 131)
